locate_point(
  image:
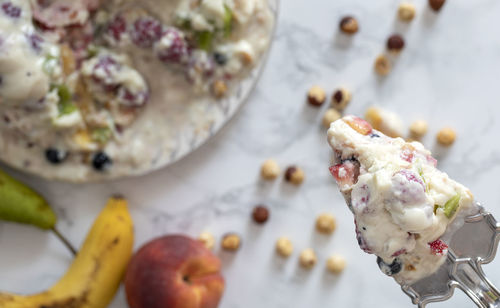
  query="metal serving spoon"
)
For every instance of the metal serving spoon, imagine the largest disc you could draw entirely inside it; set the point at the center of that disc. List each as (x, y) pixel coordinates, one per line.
(473, 244)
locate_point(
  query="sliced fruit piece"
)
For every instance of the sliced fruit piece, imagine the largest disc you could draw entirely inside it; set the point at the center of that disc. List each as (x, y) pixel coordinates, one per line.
(451, 206)
(438, 247)
(359, 125)
(346, 174)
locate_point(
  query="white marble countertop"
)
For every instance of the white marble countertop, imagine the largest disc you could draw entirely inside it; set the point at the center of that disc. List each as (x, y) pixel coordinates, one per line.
(448, 74)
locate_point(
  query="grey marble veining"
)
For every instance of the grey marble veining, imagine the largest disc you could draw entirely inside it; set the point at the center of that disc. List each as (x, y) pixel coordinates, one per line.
(448, 74)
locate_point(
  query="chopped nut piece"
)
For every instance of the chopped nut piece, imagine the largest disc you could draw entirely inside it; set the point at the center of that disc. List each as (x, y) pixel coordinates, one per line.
(382, 65)
(270, 169)
(316, 96)
(294, 175)
(260, 214)
(231, 242)
(406, 11)
(325, 223)
(349, 25)
(308, 258)
(336, 264)
(207, 239)
(385, 121)
(446, 136)
(340, 98)
(418, 129)
(373, 116)
(284, 247)
(436, 5)
(331, 115)
(395, 43)
(219, 88)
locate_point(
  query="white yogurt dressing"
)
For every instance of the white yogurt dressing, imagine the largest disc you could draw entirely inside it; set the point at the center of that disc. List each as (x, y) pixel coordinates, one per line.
(24, 77)
(91, 99)
(401, 203)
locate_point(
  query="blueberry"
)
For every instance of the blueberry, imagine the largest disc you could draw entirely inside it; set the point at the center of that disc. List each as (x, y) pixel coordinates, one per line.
(55, 156)
(101, 161)
(220, 58)
(374, 135)
(389, 269)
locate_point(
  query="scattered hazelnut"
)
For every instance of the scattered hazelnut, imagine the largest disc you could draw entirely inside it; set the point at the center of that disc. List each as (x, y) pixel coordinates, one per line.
(325, 223)
(231, 242)
(340, 98)
(382, 65)
(260, 214)
(207, 239)
(219, 88)
(316, 96)
(284, 247)
(270, 169)
(308, 258)
(436, 5)
(349, 25)
(418, 129)
(446, 136)
(406, 11)
(395, 43)
(335, 264)
(331, 115)
(294, 175)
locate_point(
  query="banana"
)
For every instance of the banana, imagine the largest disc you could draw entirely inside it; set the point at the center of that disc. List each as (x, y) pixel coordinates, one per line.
(95, 275)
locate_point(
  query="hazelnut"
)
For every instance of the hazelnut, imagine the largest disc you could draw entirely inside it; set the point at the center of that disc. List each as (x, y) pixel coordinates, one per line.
(308, 258)
(219, 88)
(316, 96)
(418, 129)
(207, 239)
(406, 11)
(436, 5)
(260, 214)
(325, 223)
(340, 98)
(331, 115)
(294, 175)
(349, 25)
(335, 264)
(395, 43)
(382, 65)
(270, 169)
(231, 242)
(284, 247)
(446, 136)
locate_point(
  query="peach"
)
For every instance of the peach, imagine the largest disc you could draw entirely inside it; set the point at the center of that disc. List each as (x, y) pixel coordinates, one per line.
(174, 271)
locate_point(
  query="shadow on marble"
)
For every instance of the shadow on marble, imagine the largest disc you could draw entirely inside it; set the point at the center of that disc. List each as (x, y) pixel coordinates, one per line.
(429, 17)
(439, 152)
(342, 41)
(400, 27)
(329, 280)
(301, 274)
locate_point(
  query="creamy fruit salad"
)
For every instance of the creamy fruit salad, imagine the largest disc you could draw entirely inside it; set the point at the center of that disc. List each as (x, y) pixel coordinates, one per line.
(90, 87)
(403, 206)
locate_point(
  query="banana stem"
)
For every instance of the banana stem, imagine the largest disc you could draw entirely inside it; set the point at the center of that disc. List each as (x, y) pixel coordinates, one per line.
(64, 241)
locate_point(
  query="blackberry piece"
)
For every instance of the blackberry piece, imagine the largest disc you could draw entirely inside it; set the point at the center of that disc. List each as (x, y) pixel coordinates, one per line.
(11, 10)
(55, 156)
(220, 58)
(101, 161)
(389, 269)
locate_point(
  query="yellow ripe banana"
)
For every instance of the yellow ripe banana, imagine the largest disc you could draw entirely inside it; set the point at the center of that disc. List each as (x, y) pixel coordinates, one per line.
(95, 275)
